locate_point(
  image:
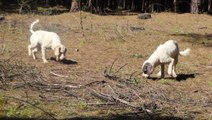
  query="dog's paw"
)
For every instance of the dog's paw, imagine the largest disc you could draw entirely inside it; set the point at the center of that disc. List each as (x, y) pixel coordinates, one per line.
(174, 75)
(45, 61)
(159, 74)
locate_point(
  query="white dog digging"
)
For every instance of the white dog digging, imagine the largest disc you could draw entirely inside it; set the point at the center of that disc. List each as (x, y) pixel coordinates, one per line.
(166, 53)
(42, 40)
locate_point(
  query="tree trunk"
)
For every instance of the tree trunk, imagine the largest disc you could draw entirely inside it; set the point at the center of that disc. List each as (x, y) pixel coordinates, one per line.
(209, 6)
(152, 7)
(47, 3)
(101, 4)
(90, 6)
(195, 6)
(74, 6)
(142, 6)
(175, 5)
(133, 5)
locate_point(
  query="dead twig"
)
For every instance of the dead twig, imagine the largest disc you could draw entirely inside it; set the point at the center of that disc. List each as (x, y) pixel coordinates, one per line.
(58, 75)
(100, 104)
(110, 73)
(65, 86)
(94, 82)
(111, 67)
(120, 68)
(107, 97)
(132, 75)
(100, 95)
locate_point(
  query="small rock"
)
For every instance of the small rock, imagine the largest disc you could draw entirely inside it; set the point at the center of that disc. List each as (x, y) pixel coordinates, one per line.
(76, 50)
(144, 16)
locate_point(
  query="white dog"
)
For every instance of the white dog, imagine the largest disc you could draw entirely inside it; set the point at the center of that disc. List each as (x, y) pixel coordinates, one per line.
(41, 40)
(166, 53)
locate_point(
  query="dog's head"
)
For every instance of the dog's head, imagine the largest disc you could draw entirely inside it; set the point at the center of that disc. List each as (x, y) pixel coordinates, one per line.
(60, 52)
(147, 69)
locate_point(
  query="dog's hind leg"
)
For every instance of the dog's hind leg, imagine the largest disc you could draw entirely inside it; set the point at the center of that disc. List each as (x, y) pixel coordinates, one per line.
(173, 71)
(170, 68)
(31, 50)
(174, 67)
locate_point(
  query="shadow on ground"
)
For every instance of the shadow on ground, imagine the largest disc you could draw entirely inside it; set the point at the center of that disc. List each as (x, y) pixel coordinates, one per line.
(129, 116)
(126, 116)
(65, 61)
(205, 39)
(180, 77)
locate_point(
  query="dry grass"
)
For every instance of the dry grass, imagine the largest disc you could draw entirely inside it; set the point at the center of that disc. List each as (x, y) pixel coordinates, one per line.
(103, 39)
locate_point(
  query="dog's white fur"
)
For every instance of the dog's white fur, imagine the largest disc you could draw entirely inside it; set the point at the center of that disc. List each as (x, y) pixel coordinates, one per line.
(166, 53)
(41, 40)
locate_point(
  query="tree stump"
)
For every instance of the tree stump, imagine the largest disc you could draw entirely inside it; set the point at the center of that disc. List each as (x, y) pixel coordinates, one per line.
(144, 16)
(74, 6)
(2, 18)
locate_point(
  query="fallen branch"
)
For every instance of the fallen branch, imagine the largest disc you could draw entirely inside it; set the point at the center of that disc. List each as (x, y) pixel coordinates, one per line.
(107, 97)
(124, 102)
(100, 104)
(100, 95)
(64, 86)
(58, 75)
(95, 82)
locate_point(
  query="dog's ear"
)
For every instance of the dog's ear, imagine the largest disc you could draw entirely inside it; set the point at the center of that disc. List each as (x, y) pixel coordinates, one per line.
(62, 49)
(65, 50)
(147, 68)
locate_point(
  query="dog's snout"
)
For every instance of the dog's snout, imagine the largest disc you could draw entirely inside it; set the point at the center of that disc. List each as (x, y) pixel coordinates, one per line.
(145, 72)
(62, 57)
(145, 75)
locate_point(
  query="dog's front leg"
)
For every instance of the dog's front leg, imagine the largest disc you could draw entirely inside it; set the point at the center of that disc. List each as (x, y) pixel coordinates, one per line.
(57, 58)
(34, 53)
(44, 55)
(29, 50)
(161, 72)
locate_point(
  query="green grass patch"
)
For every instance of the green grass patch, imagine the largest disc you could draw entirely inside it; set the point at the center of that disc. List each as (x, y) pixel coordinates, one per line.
(164, 81)
(136, 55)
(134, 81)
(82, 105)
(210, 83)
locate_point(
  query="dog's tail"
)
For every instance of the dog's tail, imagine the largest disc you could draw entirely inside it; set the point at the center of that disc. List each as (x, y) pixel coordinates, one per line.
(31, 26)
(185, 52)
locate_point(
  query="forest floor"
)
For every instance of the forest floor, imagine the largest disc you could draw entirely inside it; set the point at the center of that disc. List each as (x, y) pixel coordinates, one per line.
(101, 78)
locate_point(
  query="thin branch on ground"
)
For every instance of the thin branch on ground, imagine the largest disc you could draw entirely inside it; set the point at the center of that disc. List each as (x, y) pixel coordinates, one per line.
(120, 68)
(111, 67)
(107, 97)
(58, 75)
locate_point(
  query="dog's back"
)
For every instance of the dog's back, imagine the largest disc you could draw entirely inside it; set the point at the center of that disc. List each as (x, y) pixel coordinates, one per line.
(45, 38)
(171, 48)
(166, 50)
